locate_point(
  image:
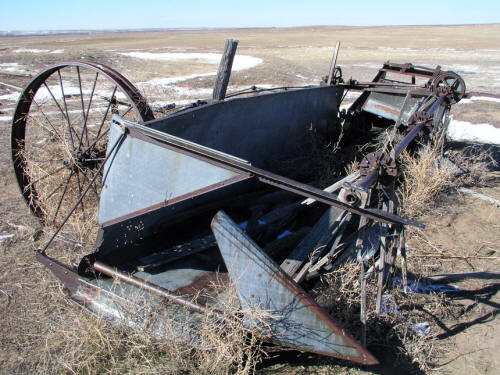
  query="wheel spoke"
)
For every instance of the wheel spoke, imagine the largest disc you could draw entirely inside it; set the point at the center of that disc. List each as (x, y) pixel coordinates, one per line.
(127, 111)
(54, 191)
(88, 110)
(64, 101)
(96, 140)
(70, 128)
(47, 175)
(47, 119)
(80, 189)
(62, 196)
(94, 189)
(106, 113)
(84, 116)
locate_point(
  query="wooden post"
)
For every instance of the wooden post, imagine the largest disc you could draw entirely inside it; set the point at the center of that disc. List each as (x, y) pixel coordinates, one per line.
(224, 71)
(333, 65)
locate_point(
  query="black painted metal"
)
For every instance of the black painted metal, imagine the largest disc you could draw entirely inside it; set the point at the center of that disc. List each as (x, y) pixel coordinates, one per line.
(265, 129)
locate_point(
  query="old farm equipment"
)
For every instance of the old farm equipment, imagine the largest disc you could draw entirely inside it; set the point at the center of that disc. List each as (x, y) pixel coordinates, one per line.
(205, 194)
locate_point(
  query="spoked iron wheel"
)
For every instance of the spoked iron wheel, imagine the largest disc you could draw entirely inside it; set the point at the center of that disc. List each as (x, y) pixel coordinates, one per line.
(452, 83)
(59, 139)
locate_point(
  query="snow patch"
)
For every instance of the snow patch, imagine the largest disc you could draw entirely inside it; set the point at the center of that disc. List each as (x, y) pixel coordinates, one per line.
(4, 237)
(25, 50)
(69, 90)
(170, 80)
(301, 77)
(12, 68)
(5, 118)
(10, 97)
(178, 103)
(485, 98)
(464, 131)
(57, 51)
(241, 62)
(464, 68)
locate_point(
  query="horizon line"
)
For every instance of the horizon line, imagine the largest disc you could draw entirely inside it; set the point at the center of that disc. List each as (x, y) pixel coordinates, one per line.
(159, 29)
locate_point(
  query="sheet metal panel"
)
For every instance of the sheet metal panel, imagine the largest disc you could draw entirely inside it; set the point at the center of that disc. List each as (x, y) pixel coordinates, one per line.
(389, 105)
(263, 129)
(141, 174)
(297, 320)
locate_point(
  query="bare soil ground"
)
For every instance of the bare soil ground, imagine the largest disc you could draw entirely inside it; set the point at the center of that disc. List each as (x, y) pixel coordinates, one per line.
(463, 233)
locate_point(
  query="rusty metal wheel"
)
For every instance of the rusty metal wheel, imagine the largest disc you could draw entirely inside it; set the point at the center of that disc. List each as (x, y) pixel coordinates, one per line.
(59, 138)
(451, 83)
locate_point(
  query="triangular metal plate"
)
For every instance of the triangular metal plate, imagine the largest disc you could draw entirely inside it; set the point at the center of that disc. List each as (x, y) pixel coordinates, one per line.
(297, 320)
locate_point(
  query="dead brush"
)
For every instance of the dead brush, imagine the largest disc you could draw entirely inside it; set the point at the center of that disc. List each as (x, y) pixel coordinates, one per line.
(424, 178)
(477, 164)
(339, 294)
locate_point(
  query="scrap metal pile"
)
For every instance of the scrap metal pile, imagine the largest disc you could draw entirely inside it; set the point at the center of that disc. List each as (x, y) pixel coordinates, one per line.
(201, 195)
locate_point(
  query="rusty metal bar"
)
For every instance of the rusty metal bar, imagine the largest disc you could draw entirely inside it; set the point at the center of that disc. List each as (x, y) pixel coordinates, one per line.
(266, 177)
(371, 178)
(414, 132)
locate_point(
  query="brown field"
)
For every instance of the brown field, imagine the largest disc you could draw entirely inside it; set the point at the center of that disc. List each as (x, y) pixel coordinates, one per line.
(463, 233)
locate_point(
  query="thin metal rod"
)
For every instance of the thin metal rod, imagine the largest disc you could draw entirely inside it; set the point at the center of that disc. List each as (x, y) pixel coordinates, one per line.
(80, 188)
(64, 101)
(47, 175)
(81, 101)
(95, 141)
(62, 195)
(111, 152)
(93, 185)
(106, 113)
(70, 128)
(54, 191)
(145, 285)
(127, 111)
(362, 317)
(46, 118)
(158, 290)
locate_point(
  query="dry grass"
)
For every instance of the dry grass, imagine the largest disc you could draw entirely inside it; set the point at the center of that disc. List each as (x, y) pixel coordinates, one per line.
(425, 176)
(423, 179)
(340, 294)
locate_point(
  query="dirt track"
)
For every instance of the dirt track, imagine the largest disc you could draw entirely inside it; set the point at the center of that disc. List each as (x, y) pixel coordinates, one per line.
(296, 56)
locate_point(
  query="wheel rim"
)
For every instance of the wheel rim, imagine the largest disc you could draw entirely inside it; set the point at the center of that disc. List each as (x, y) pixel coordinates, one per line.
(59, 138)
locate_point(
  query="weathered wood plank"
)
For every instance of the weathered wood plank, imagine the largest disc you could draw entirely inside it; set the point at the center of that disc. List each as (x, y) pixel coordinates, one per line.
(293, 262)
(333, 65)
(224, 71)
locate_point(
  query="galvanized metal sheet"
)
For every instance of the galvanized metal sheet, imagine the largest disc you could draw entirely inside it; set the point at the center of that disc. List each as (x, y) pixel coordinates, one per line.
(142, 174)
(297, 320)
(389, 105)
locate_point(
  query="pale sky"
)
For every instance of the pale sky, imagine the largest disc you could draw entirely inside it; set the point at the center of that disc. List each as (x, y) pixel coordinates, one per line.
(130, 14)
